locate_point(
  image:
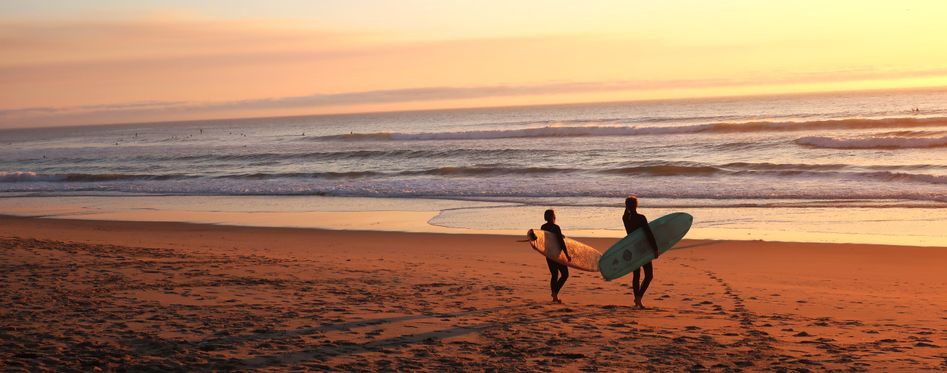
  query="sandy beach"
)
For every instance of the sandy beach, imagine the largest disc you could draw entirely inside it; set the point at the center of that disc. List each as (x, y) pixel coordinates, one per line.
(91, 295)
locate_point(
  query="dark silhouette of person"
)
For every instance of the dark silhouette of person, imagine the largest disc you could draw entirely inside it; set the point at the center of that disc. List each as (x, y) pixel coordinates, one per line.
(633, 220)
(555, 269)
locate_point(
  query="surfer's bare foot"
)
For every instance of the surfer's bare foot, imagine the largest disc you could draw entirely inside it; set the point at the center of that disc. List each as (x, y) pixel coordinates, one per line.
(638, 304)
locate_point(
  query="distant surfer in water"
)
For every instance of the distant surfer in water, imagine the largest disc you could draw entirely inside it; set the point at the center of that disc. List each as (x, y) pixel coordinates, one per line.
(556, 282)
(633, 220)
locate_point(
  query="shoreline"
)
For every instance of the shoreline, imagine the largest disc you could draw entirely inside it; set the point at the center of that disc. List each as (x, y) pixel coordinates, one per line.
(40, 231)
(854, 225)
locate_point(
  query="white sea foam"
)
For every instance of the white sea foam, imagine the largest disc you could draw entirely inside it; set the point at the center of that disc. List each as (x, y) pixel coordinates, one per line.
(651, 168)
(23, 176)
(726, 185)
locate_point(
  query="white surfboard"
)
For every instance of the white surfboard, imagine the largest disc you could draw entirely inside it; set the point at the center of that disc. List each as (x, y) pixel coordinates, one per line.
(584, 257)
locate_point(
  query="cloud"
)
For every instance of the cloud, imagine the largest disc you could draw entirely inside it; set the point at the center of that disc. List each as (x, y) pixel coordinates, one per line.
(151, 109)
(372, 97)
(85, 72)
(54, 43)
(329, 100)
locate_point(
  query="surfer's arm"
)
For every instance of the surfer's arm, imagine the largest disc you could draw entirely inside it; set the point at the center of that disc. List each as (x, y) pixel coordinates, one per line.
(654, 243)
(565, 250)
(562, 243)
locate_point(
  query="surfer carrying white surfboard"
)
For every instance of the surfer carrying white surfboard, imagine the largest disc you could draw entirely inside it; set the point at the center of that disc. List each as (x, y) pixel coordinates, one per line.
(633, 220)
(555, 269)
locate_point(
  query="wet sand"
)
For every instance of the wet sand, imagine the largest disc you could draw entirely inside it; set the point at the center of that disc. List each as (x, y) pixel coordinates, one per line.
(88, 295)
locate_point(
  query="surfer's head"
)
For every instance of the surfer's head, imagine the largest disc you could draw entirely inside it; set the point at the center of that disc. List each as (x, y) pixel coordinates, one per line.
(631, 203)
(550, 216)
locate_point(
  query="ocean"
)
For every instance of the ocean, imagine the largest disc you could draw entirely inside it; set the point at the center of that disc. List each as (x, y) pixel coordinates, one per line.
(818, 167)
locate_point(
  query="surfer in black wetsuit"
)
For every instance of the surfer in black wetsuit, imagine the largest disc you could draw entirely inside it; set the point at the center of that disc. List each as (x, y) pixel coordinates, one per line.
(556, 282)
(633, 220)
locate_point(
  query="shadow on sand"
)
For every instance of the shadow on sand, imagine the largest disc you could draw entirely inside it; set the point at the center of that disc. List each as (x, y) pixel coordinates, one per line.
(332, 349)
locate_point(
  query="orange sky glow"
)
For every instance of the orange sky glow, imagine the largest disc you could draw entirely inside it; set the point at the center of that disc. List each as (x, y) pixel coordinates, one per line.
(92, 63)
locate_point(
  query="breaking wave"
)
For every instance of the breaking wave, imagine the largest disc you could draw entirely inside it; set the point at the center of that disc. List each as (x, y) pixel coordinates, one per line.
(914, 173)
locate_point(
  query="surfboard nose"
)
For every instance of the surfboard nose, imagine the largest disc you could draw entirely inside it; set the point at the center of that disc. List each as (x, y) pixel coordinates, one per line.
(530, 235)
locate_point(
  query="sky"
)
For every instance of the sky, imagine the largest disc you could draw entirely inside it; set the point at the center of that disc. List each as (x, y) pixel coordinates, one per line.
(77, 62)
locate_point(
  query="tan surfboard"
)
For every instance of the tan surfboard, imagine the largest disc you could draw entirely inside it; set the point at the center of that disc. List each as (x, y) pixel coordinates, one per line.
(584, 257)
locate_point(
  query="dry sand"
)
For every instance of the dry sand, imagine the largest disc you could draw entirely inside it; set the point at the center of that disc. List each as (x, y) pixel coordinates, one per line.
(88, 295)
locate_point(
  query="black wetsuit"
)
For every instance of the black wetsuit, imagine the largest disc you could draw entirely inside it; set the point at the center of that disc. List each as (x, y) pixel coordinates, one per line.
(634, 220)
(556, 282)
